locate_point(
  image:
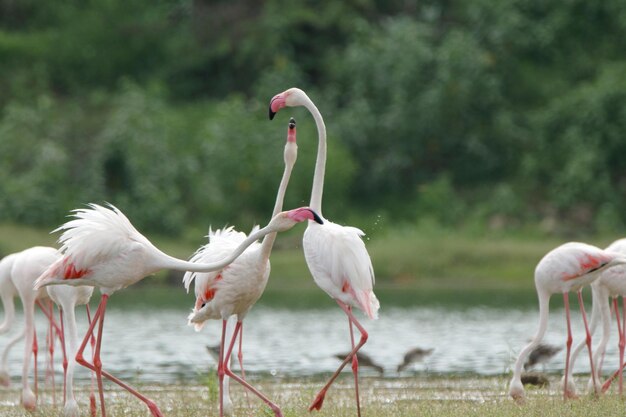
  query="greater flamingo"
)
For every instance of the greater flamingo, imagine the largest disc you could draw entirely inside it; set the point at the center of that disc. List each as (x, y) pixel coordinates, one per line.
(7, 293)
(568, 267)
(27, 266)
(335, 255)
(67, 298)
(234, 289)
(101, 248)
(611, 283)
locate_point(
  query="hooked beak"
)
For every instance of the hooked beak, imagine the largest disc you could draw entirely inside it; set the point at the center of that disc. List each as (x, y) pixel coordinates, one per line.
(316, 217)
(272, 112)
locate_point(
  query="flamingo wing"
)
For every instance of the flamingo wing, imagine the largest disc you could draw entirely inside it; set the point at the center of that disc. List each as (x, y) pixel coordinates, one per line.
(339, 262)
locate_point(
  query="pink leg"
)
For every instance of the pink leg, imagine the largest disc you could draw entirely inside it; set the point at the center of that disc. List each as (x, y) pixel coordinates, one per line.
(622, 344)
(620, 332)
(65, 362)
(50, 343)
(355, 369)
(319, 399)
(588, 340)
(220, 368)
(97, 365)
(92, 396)
(227, 371)
(35, 350)
(240, 359)
(568, 344)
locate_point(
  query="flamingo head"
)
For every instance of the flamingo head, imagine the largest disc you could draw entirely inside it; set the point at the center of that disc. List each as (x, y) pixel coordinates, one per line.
(288, 98)
(287, 219)
(291, 148)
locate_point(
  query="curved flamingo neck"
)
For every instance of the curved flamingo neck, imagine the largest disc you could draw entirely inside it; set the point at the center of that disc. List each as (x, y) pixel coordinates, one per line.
(268, 240)
(320, 163)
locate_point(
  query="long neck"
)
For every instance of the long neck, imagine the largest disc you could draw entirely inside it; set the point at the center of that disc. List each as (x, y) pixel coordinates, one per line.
(165, 261)
(320, 163)
(268, 240)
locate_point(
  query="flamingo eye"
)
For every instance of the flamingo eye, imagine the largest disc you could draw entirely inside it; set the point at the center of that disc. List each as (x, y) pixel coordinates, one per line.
(203, 304)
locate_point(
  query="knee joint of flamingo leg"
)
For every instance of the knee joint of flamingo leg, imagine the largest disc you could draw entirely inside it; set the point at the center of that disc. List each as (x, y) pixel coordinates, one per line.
(568, 342)
(97, 363)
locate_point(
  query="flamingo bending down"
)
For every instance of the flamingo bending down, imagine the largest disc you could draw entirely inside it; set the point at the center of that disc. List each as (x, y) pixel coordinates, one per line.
(101, 248)
(234, 289)
(7, 293)
(568, 267)
(27, 266)
(335, 255)
(67, 298)
(611, 283)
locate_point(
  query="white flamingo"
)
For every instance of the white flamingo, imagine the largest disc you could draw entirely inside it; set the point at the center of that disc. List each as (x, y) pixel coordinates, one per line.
(67, 298)
(568, 267)
(101, 248)
(234, 289)
(7, 293)
(27, 266)
(335, 255)
(611, 283)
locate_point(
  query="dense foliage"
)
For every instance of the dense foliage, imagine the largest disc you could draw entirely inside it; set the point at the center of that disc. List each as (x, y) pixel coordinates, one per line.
(501, 112)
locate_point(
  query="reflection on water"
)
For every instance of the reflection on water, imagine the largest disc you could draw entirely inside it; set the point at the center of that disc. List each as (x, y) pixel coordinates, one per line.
(157, 345)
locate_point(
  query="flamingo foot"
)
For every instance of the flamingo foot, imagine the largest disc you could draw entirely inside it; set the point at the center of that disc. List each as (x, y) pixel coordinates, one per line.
(92, 405)
(71, 409)
(154, 410)
(29, 401)
(5, 379)
(570, 395)
(319, 401)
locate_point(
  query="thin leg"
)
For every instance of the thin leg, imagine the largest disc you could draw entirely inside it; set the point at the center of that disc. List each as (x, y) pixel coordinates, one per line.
(220, 368)
(620, 332)
(226, 366)
(97, 365)
(50, 343)
(64, 351)
(35, 351)
(240, 359)
(568, 344)
(588, 340)
(319, 399)
(355, 369)
(92, 396)
(622, 343)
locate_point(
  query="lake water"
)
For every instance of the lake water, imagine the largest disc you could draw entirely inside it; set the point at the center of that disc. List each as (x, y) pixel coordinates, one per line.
(157, 345)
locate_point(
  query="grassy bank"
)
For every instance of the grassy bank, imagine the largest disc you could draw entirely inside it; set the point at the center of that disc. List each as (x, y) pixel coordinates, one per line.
(406, 397)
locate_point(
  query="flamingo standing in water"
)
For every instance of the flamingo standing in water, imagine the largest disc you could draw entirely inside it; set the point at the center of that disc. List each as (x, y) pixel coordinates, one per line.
(67, 298)
(335, 255)
(568, 267)
(611, 283)
(26, 266)
(101, 248)
(236, 288)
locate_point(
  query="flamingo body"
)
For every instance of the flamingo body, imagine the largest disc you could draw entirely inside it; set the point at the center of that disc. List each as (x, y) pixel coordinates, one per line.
(340, 265)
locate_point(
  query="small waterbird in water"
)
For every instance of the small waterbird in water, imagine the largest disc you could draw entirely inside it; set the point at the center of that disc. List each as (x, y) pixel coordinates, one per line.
(414, 355)
(364, 360)
(541, 354)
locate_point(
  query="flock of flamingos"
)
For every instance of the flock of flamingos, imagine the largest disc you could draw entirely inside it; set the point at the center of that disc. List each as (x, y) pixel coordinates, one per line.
(101, 248)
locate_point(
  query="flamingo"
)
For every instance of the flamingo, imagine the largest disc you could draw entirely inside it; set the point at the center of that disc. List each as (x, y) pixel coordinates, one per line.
(67, 298)
(335, 254)
(611, 283)
(101, 248)
(234, 289)
(26, 267)
(7, 293)
(566, 268)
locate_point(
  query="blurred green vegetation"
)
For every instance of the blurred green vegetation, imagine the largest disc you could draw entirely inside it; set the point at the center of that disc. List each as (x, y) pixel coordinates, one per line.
(468, 114)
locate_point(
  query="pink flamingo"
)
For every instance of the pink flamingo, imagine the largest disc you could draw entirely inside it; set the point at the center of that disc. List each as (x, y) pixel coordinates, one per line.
(611, 283)
(7, 293)
(335, 255)
(234, 289)
(67, 298)
(26, 267)
(101, 248)
(566, 268)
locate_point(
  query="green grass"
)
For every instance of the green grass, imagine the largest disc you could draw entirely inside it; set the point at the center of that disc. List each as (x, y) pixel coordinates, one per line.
(404, 397)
